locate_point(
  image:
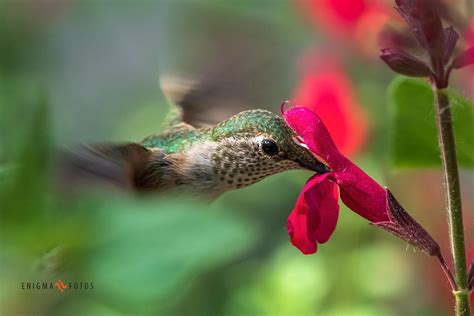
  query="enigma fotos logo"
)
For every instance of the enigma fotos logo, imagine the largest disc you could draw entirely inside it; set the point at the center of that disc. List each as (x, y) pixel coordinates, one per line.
(59, 286)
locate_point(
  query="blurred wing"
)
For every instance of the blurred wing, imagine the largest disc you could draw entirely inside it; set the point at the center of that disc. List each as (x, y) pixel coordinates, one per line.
(102, 165)
(246, 62)
(189, 98)
(211, 96)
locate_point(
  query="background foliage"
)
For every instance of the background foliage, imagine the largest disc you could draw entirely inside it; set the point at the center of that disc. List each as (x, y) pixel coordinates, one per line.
(415, 132)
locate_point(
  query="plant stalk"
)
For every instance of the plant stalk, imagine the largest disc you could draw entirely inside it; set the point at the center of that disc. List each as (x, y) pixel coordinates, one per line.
(447, 147)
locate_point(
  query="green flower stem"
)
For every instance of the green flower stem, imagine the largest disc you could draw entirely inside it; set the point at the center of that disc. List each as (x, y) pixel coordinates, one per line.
(447, 146)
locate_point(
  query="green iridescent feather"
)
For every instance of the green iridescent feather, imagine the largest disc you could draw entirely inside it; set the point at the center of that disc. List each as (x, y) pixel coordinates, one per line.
(182, 136)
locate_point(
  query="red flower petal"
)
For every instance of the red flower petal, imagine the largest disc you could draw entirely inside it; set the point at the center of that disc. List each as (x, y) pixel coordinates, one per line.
(358, 191)
(314, 217)
(309, 126)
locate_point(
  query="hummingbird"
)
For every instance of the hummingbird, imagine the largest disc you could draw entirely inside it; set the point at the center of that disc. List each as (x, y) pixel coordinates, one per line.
(204, 161)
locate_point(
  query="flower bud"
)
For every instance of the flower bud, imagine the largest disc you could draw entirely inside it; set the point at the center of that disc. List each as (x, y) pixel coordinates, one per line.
(425, 22)
(450, 39)
(404, 63)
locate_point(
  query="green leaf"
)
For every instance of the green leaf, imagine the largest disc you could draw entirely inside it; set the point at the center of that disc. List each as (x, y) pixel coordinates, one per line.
(414, 133)
(27, 183)
(147, 253)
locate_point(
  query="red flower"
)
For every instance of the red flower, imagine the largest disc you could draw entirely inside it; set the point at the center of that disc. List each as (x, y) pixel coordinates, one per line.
(335, 15)
(315, 215)
(359, 22)
(326, 89)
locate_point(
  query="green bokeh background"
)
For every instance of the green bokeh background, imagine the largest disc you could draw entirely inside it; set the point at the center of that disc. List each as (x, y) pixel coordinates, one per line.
(88, 71)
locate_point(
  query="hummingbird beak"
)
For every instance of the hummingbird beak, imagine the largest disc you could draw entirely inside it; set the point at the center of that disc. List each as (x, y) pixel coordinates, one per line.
(314, 165)
(308, 160)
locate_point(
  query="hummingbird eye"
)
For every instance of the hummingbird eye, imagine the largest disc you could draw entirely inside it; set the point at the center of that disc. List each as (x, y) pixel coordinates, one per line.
(269, 147)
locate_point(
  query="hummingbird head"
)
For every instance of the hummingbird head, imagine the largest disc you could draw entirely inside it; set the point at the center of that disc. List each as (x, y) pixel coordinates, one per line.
(255, 144)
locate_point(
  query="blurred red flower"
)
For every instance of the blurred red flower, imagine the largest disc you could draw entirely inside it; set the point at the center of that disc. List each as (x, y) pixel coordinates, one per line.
(334, 15)
(327, 90)
(359, 21)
